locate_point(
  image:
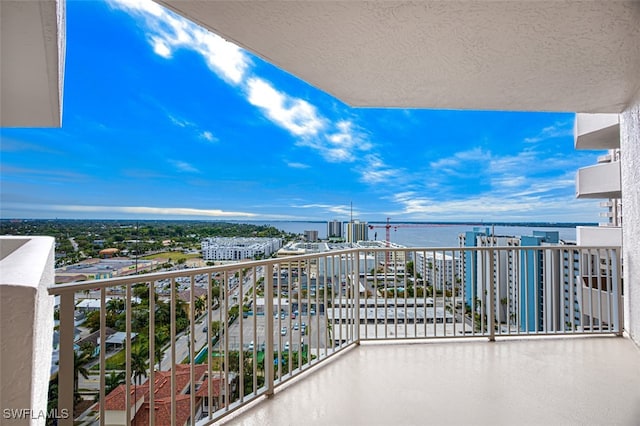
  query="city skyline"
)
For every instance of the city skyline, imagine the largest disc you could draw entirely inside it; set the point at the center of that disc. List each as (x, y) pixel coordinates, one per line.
(163, 120)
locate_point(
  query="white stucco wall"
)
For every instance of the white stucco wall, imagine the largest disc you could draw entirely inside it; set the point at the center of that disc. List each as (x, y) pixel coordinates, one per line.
(630, 162)
(26, 327)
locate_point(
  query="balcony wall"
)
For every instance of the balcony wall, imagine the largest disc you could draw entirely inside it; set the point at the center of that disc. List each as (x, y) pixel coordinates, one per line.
(599, 181)
(599, 236)
(26, 323)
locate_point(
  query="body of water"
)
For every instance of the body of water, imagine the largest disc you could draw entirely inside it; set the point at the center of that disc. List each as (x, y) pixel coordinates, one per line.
(424, 235)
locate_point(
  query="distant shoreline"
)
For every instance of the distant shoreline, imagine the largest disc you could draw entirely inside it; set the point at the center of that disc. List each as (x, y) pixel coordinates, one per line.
(417, 222)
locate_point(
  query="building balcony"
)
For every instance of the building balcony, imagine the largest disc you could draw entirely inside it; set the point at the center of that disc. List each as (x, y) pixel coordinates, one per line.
(599, 181)
(391, 337)
(597, 131)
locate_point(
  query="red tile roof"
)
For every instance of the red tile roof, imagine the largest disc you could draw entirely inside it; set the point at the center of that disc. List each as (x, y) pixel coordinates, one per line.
(115, 401)
(162, 408)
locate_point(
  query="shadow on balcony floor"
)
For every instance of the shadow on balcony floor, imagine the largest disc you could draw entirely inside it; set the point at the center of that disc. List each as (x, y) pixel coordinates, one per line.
(525, 382)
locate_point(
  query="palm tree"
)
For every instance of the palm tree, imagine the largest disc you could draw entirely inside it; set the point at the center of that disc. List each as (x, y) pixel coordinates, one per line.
(139, 364)
(159, 339)
(79, 369)
(163, 314)
(215, 292)
(113, 380)
(199, 305)
(115, 306)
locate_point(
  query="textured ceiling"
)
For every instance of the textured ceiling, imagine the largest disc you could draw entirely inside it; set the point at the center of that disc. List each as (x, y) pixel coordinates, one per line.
(512, 55)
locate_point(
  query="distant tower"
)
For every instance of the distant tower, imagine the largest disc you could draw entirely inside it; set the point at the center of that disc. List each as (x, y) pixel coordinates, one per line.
(357, 231)
(311, 236)
(334, 229)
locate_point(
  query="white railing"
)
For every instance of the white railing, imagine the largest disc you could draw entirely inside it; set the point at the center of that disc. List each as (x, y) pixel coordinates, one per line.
(261, 323)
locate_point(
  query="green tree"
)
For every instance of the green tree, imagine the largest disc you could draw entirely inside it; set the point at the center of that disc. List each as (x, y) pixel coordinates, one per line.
(409, 267)
(139, 363)
(115, 306)
(79, 370)
(199, 305)
(113, 380)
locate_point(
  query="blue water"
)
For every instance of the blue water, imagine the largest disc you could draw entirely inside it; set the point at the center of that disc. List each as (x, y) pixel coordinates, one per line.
(411, 235)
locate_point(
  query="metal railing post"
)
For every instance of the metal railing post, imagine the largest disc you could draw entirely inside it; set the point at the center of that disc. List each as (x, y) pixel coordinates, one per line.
(268, 329)
(65, 364)
(617, 283)
(492, 297)
(357, 298)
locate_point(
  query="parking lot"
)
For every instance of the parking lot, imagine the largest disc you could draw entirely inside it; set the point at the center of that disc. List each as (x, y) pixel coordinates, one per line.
(303, 329)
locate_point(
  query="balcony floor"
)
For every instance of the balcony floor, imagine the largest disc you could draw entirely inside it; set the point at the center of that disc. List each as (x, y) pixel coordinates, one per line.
(570, 381)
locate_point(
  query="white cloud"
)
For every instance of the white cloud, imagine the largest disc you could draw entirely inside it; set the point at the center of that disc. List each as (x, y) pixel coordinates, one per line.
(168, 32)
(295, 115)
(341, 210)
(183, 166)
(460, 163)
(489, 207)
(376, 171)
(556, 130)
(295, 165)
(180, 122)
(209, 136)
(163, 211)
(160, 47)
(335, 141)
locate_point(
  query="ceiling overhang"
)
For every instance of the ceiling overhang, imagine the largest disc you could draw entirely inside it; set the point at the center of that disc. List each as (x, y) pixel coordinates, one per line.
(502, 55)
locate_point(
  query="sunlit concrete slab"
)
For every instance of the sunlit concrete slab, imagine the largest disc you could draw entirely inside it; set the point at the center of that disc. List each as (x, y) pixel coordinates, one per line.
(574, 381)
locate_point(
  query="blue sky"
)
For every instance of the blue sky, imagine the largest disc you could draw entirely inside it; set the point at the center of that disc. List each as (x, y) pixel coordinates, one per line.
(165, 120)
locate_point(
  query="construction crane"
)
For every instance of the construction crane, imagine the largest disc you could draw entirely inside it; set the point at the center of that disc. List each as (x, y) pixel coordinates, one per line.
(395, 227)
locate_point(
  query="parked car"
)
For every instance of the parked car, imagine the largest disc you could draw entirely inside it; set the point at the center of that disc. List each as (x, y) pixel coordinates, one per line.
(283, 331)
(296, 326)
(286, 346)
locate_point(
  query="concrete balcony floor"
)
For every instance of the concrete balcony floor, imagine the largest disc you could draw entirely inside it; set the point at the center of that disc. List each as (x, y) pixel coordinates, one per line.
(568, 381)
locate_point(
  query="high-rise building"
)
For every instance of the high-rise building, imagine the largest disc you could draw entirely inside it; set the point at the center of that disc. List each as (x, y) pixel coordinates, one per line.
(334, 229)
(520, 278)
(311, 236)
(357, 231)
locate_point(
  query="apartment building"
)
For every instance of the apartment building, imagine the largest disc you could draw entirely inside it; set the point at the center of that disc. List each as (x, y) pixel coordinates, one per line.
(239, 248)
(334, 229)
(357, 231)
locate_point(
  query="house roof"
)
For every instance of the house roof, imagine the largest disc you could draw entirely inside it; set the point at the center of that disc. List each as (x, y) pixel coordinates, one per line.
(197, 292)
(95, 336)
(115, 401)
(119, 337)
(162, 409)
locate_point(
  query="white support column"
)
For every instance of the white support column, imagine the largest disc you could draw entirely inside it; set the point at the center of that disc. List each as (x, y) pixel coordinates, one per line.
(630, 174)
(26, 328)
